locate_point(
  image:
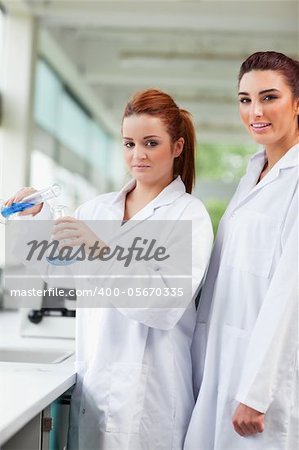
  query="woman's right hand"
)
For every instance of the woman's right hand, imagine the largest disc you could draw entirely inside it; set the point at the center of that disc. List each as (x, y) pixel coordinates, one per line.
(18, 197)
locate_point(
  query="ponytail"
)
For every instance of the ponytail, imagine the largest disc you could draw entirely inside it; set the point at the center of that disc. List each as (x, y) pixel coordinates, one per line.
(184, 165)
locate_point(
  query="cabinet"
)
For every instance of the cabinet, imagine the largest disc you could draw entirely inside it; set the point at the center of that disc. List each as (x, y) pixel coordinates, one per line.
(60, 410)
(46, 431)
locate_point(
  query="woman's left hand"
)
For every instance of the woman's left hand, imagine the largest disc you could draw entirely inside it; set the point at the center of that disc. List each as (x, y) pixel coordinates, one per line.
(248, 421)
(73, 233)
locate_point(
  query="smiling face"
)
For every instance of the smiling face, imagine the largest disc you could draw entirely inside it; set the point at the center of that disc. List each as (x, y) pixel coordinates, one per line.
(149, 152)
(268, 109)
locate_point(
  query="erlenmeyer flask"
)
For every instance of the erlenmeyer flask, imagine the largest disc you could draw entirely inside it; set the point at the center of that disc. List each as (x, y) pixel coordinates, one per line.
(58, 212)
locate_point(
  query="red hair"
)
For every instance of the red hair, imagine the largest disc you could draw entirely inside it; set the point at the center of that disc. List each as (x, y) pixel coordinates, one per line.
(178, 123)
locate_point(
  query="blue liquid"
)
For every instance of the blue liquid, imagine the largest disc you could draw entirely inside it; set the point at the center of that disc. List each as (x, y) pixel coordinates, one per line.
(60, 262)
(15, 208)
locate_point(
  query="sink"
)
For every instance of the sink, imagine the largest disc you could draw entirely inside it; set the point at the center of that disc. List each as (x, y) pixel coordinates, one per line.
(34, 356)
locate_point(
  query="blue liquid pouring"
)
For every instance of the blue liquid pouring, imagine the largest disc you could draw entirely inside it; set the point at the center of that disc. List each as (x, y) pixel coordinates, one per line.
(15, 208)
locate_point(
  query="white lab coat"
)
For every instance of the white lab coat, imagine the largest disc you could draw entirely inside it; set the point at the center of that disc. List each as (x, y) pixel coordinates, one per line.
(249, 316)
(134, 381)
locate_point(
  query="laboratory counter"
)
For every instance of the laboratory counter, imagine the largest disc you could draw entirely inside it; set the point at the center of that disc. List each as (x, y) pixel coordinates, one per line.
(28, 388)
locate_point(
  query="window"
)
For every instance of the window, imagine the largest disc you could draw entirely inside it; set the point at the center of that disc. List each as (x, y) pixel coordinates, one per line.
(66, 134)
(48, 90)
(2, 32)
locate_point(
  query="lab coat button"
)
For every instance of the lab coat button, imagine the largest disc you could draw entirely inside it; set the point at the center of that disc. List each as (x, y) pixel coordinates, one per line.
(83, 411)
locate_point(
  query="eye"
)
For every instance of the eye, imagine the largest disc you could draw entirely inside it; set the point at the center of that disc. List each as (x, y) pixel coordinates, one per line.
(129, 144)
(151, 143)
(270, 97)
(244, 100)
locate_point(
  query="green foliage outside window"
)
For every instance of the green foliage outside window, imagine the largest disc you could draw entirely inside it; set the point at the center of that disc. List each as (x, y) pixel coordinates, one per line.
(216, 210)
(222, 161)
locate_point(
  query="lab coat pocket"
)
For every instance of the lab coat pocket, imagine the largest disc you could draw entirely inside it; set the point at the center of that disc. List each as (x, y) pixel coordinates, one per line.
(126, 398)
(251, 242)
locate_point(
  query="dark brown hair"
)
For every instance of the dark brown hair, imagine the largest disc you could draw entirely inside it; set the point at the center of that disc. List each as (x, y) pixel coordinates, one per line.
(178, 123)
(270, 60)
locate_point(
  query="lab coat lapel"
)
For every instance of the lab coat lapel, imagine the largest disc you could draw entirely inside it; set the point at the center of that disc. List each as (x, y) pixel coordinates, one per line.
(250, 179)
(269, 178)
(118, 203)
(169, 194)
(249, 188)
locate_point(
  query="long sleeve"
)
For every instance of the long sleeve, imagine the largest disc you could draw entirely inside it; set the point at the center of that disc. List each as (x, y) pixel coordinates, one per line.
(163, 311)
(275, 334)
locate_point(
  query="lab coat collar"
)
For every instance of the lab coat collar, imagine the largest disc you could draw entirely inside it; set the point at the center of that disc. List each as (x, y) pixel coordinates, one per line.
(249, 188)
(121, 195)
(290, 159)
(169, 194)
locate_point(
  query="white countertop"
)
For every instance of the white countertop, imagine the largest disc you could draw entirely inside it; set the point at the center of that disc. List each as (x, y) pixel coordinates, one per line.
(26, 389)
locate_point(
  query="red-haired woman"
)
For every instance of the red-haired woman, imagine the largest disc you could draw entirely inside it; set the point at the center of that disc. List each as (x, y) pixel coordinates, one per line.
(248, 397)
(134, 386)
